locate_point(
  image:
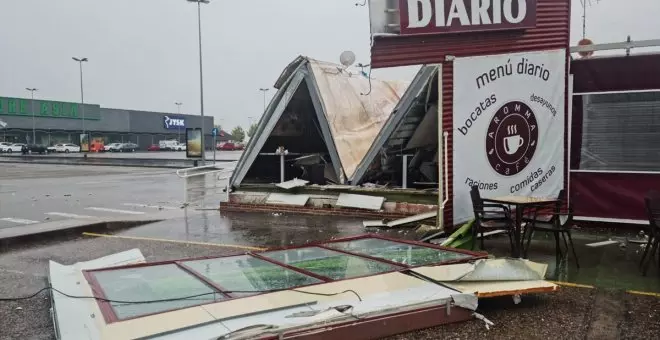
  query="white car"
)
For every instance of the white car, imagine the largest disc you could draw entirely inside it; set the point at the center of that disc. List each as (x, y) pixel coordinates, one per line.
(16, 147)
(180, 147)
(3, 145)
(112, 147)
(66, 148)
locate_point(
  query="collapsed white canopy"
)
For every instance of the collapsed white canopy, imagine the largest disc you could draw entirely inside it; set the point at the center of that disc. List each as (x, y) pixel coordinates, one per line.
(350, 109)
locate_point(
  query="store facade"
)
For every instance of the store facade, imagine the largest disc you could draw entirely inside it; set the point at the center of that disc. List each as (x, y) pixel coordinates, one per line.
(53, 122)
(483, 51)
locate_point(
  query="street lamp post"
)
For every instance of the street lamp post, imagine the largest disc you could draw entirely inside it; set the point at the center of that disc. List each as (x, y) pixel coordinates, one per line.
(82, 92)
(34, 134)
(264, 90)
(201, 79)
(178, 111)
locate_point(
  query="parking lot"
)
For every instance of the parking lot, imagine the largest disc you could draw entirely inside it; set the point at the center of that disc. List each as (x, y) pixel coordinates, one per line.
(225, 155)
(36, 193)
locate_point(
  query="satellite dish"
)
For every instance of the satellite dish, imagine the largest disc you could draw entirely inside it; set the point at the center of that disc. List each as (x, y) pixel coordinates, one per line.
(347, 58)
(585, 42)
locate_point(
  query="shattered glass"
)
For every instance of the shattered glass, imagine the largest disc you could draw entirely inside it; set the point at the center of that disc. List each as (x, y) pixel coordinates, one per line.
(246, 275)
(161, 282)
(329, 263)
(409, 254)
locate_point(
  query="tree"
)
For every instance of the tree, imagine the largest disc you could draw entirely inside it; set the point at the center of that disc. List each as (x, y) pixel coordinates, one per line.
(238, 134)
(252, 130)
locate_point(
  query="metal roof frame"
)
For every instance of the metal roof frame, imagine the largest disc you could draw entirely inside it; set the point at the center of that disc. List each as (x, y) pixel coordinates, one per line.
(288, 82)
(625, 45)
(266, 125)
(422, 78)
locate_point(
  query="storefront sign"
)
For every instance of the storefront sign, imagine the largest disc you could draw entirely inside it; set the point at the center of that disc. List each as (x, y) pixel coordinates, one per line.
(174, 123)
(47, 109)
(193, 143)
(452, 16)
(508, 126)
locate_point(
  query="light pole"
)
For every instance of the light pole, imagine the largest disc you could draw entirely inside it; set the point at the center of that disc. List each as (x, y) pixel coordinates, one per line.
(82, 92)
(201, 79)
(34, 134)
(178, 111)
(264, 90)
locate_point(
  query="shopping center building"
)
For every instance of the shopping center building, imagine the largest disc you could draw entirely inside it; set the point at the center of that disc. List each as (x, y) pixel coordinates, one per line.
(62, 122)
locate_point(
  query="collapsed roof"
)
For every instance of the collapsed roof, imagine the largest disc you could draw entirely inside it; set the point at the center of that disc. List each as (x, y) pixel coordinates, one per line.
(369, 283)
(411, 130)
(325, 116)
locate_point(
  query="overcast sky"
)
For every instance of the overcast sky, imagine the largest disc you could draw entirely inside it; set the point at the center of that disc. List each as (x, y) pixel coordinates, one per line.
(143, 53)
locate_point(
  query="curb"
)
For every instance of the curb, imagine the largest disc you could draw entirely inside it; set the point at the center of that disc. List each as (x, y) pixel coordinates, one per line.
(58, 230)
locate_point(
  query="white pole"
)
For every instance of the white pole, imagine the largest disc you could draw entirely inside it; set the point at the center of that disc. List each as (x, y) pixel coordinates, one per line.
(441, 193)
(201, 77)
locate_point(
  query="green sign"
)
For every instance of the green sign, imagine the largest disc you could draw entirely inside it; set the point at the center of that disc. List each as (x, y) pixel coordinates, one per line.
(47, 109)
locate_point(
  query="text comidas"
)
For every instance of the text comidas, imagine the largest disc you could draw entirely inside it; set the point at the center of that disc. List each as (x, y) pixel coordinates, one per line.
(482, 12)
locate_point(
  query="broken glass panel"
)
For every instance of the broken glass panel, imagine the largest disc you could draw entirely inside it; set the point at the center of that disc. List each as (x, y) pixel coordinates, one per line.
(159, 282)
(328, 263)
(246, 275)
(409, 254)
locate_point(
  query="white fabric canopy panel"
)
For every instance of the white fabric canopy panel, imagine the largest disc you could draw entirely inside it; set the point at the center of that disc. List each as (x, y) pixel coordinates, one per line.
(351, 110)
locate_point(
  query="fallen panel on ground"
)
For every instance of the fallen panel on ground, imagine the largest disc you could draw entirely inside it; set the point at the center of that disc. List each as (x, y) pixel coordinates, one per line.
(294, 183)
(287, 199)
(412, 219)
(360, 201)
(72, 316)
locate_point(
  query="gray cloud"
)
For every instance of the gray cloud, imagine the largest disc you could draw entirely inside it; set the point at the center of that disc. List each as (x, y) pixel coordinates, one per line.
(143, 53)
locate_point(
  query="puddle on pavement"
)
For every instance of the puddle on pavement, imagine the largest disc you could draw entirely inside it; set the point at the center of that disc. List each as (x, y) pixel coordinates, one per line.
(605, 267)
(611, 266)
(258, 229)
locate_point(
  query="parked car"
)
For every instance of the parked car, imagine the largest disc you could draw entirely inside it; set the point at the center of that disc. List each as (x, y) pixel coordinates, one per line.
(113, 147)
(66, 148)
(168, 145)
(229, 146)
(153, 147)
(34, 148)
(97, 146)
(5, 144)
(128, 147)
(16, 147)
(180, 147)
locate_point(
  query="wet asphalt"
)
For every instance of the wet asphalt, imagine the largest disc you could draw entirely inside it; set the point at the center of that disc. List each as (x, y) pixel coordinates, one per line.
(572, 313)
(37, 193)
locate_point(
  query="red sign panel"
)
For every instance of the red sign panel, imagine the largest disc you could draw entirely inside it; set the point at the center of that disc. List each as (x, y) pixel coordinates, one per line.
(454, 16)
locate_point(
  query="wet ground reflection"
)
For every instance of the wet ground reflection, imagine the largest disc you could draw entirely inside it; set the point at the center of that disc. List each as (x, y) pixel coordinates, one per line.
(608, 267)
(257, 229)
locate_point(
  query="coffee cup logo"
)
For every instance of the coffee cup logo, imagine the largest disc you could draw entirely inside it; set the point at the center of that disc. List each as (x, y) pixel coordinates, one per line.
(512, 144)
(511, 138)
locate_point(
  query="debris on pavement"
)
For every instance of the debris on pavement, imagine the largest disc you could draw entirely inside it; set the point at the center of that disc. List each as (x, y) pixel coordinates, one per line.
(412, 219)
(602, 243)
(287, 199)
(374, 224)
(360, 201)
(294, 183)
